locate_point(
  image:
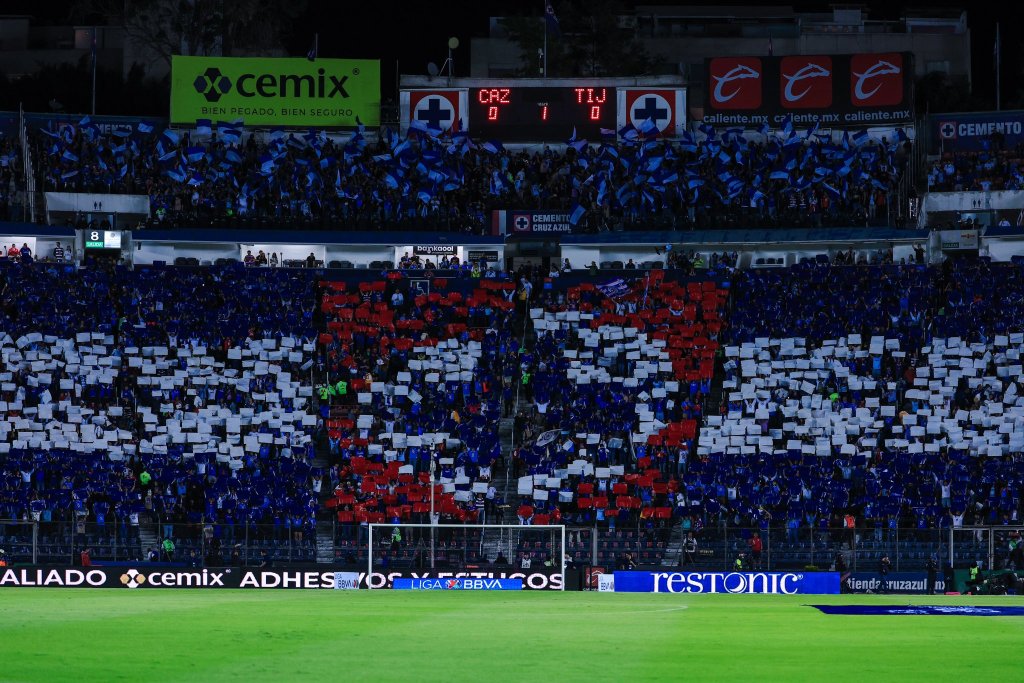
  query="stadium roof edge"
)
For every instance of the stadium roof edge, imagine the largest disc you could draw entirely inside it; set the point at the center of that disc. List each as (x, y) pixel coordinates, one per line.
(34, 230)
(311, 237)
(773, 236)
(786, 236)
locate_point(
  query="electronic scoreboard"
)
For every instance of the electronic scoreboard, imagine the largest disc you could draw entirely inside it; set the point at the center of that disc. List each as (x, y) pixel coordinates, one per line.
(538, 110)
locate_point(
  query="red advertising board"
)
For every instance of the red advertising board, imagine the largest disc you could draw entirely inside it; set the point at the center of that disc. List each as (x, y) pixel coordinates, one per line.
(834, 90)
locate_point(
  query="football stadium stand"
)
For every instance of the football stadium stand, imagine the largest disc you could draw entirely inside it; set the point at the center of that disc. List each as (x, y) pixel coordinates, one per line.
(977, 171)
(226, 176)
(643, 410)
(681, 410)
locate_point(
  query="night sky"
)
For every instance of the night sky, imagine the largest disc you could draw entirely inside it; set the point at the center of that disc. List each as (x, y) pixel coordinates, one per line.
(390, 31)
(416, 41)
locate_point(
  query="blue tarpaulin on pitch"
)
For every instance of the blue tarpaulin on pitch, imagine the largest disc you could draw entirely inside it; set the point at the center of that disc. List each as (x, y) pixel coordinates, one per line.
(928, 610)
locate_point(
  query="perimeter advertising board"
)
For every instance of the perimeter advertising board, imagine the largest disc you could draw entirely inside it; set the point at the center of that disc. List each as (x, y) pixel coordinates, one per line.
(310, 577)
(326, 93)
(771, 583)
(165, 577)
(832, 90)
(975, 131)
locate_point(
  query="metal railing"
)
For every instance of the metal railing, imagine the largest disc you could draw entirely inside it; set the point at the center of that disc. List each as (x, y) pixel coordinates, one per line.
(777, 548)
(644, 543)
(117, 540)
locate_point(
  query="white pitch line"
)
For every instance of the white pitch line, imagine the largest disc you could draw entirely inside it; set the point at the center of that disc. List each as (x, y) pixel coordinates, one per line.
(652, 611)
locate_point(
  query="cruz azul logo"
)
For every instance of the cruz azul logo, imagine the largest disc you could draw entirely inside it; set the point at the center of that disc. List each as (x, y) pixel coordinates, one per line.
(735, 83)
(876, 80)
(806, 82)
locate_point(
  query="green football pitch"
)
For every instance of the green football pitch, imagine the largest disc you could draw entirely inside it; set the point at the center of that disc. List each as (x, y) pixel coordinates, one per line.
(224, 635)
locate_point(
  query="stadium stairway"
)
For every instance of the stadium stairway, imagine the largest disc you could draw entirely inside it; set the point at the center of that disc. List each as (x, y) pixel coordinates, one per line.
(713, 402)
(325, 542)
(674, 548)
(492, 539)
(324, 527)
(149, 536)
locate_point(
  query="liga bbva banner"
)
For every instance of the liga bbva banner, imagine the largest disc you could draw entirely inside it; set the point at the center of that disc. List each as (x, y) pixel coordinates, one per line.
(326, 93)
(833, 90)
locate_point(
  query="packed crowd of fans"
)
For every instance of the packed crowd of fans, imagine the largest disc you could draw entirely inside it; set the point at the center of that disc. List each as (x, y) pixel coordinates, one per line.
(410, 377)
(164, 394)
(885, 395)
(869, 397)
(223, 175)
(614, 388)
(977, 171)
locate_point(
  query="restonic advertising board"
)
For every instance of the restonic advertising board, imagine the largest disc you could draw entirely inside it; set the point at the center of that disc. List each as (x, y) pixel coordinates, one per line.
(774, 583)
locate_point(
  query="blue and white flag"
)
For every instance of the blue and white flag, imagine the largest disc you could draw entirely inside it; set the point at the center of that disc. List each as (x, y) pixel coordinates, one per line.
(576, 214)
(551, 22)
(614, 289)
(492, 146)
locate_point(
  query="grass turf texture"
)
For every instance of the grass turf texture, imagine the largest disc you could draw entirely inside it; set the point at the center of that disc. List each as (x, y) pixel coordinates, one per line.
(224, 635)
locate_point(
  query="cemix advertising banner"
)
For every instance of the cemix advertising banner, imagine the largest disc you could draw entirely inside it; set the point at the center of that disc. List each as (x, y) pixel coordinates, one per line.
(142, 576)
(162, 577)
(326, 93)
(833, 90)
(770, 583)
(975, 132)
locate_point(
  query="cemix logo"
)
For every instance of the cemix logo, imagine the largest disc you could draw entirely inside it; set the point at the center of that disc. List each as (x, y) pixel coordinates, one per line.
(737, 82)
(133, 578)
(806, 82)
(212, 85)
(876, 80)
